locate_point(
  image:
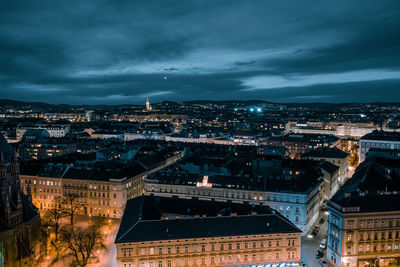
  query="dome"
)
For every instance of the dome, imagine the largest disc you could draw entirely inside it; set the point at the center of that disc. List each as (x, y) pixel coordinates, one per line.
(6, 151)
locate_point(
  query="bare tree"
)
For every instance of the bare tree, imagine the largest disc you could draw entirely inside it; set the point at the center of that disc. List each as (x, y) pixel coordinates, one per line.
(53, 218)
(71, 204)
(80, 244)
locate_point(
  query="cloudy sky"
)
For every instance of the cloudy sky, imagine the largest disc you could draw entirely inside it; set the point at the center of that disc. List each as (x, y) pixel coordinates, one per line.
(113, 52)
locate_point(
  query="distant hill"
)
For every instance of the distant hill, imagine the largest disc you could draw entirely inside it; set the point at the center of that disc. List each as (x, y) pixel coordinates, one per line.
(7, 103)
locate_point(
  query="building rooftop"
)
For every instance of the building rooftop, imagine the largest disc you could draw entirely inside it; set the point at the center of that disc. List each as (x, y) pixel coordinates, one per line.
(374, 187)
(325, 152)
(306, 138)
(276, 176)
(150, 218)
(382, 135)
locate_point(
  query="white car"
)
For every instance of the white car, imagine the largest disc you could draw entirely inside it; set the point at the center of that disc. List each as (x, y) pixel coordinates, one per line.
(323, 244)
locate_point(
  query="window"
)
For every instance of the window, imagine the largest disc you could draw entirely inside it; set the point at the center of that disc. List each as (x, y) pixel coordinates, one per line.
(203, 248)
(151, 251)
(160, 264)
(194, 248)
(277, 256)
(262, 244)
(221, 259)
(277, 243)
(212, 247)
(360, 248)
(212, 260)
(186, 249)
(169, 263)
(169, 250)
(246, 258)
(160, 251)
(254, 244)
(230, 246)
(349, 237)
(237, 245)
(178, 250)
(246, 245)
(222, 247)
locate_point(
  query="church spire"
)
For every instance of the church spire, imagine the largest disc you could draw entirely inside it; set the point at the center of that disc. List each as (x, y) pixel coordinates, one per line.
(148, 107)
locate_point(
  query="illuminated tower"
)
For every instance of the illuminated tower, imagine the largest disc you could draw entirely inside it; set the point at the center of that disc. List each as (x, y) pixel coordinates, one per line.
(148, 107)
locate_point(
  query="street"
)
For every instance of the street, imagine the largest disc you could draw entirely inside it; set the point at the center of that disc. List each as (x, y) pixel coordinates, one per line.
(310, 246)
(108, 258)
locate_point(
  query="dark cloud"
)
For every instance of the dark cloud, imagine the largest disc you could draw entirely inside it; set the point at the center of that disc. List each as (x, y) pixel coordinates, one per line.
(120, 51)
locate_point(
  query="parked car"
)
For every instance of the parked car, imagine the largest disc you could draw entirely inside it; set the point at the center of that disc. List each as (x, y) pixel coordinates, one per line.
(323, 244)
(323, 262)
(321, 221)
(314, 232)
(319, 254)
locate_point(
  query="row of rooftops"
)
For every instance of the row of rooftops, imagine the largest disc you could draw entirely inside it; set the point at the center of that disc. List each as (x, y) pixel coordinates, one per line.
(284, 175)
(87, 167)
(96, 171)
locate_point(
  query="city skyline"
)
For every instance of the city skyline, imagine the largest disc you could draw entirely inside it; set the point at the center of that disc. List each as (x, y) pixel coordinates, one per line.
(107, 53)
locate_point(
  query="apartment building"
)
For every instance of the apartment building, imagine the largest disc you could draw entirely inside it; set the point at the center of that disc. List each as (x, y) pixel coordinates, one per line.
(169, 232)
(364, 217)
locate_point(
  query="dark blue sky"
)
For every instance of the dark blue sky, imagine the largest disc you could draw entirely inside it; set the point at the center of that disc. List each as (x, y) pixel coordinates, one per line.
(113, 52)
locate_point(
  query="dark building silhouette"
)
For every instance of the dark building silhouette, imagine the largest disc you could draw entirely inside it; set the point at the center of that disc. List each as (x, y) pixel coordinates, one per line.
(19, 219)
